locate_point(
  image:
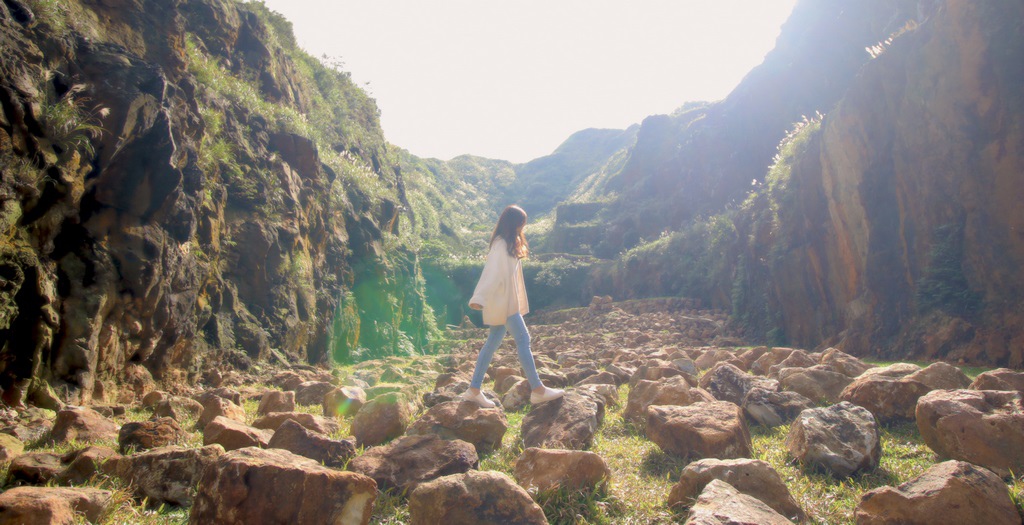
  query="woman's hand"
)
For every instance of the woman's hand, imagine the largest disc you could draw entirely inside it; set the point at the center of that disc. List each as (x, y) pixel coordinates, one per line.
(476, 306)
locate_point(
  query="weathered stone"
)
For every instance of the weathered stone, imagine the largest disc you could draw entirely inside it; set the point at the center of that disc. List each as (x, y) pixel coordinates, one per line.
(233, 435)
(771, 408)
(984, 427)
(721, 504)
(287, 380)
(34, 468)
(228, 394)
(728, 383)
(34, 430)
(10, 448)
(752, 477)
(465, 420)
(999, 379)
(297, 439)
(80, 466)
(506, 383)
(817, 383)
(608, 394)
(217, 406)
(474, 497)
(702, 430)
(166, 475)
(546, 469)
(895, 370)
(670, 391)
(890, 400)
(153, 398)
(600, 378)
(82, 424)
(275, 486)
(312, 392)
(795, 359)
(276, 401)
(841, 439)
(382, 418)
(410, 460)
(53, 505)
(949, 492)
(567, 422)
(654, 373)
(517, 397)
(941, 376)
(711, 357)
(344, 401)
(844, 363)
(772, 357)
(313, 422)
(144, 435)
(178, 408)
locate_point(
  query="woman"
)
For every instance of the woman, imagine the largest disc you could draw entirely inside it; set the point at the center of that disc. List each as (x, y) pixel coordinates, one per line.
(501, 295)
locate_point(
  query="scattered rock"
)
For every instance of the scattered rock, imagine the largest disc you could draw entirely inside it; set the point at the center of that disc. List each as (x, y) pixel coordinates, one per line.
(752, 477)
(941, 376)
(166, 475)
(771, 408)
(383, 418)
(608, 394)
(473, 497)
(53, 505)
(721, 504)
(600, 378)
(671, 391)
(844, 363)
(895, 370)
(517, 397)
(817, 383)
(297, 439)
(410, 460)
(154, 398)
(82, 424)
(276, 401)
(217, 406)
(343, 401)
(567, 422)
(10, 448)
(145, 435)
(178, 408)
(999, 379)
(34, 468)
(80, 466)
(984, 427)
(546, 469)
(728, 383)
(949, 492)
(841, 439)
(795, 359)
(34, 430)
(312, 392)
(890, 400)
(702, 430)
(275, 486)
(313, 422)
(233, 435)
(465, 420)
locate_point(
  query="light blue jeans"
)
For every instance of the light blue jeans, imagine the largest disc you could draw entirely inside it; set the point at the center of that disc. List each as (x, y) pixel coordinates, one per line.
(517, 326)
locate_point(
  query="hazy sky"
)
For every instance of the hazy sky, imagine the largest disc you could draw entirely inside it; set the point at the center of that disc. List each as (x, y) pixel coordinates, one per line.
(511, 80)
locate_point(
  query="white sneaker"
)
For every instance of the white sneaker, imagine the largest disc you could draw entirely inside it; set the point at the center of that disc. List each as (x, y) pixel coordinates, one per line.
(548, 395)
(479, 399)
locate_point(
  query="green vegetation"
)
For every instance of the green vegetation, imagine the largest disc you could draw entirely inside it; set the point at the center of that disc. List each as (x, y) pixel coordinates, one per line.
(71, 124)
(944, 285)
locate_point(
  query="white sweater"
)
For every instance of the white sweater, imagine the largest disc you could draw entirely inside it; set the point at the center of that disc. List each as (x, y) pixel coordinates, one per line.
(501, 290)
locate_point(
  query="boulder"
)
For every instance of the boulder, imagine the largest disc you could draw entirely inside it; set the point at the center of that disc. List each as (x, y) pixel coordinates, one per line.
(840, 439)
(383, 418)
(410, 460)
(34, 468)
(568, 422)
(654, 373)
(768, 359)
(844, 363)
(10, 448)
(752, 477)
(178, 408)
(233, 435)
(817, 383)
(728, 383)
(608, 394)
(506, 383)
(465, 420)
(711, 357)
(984, 427)
(721, 504)
(82, 424)
(313, 422)
(312, 392)
(671, 391)
(343, 401)
(154, 397)
(517, 397)
(166, 475)
(217, 406)
(772, 408)
(546, 469)
(999, 379)
(229, 394)
(703, 430)
(297, 439)
(474, 497)
(53, 505)
(796, 359)
(895, 370)
(80, 466)
(949, 492)
(287, 380)
(28, 432)
(600, 378)
(276, 401)
(254, 485)
(890, 400)
(941, 376)
(144, 435)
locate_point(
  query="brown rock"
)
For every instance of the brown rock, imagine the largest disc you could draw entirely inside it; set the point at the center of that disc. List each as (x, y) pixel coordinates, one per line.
(841, 439)
(166, 475)
(517, 397)
(383, 418)
(609, 394)
(728, 383)
(229, 394)
(771, 409)
(35, 468)
(984, 427)
(233, 435)
(711, 357)
(752, 477)
(312, 392)
(474, 497)
(410, 460)
(817, 383)
(890, 400)
(53, 505)
(10, 448)
(178, 408)
(145, 435)
(844, 363)
(465, 420)
(895, 370)
(506, 383)
(287, 380)
(654, 373)
(671, 391)
(795, 359)
(34, 430)
(567, 422)
(499, 373)
(215, 406)
(546, 469)
(251, 485)
(276, 401)
(153, 398)
(721, 504)
(941, 376)
(999, 379)
(344, 401)
(315, 423)
(82, 424)
(702, 430)
(297, 439)
(600, 378)
(81, 466)
(950, 492)
(769, 359)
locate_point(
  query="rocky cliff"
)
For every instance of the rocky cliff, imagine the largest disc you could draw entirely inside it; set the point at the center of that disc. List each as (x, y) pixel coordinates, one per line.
(182, 188)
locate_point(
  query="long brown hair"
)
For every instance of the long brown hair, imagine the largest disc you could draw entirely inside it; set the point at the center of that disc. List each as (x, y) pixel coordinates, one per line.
(510, 227)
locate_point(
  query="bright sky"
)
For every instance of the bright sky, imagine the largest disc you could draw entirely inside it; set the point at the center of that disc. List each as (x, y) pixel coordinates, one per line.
(512, 79)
